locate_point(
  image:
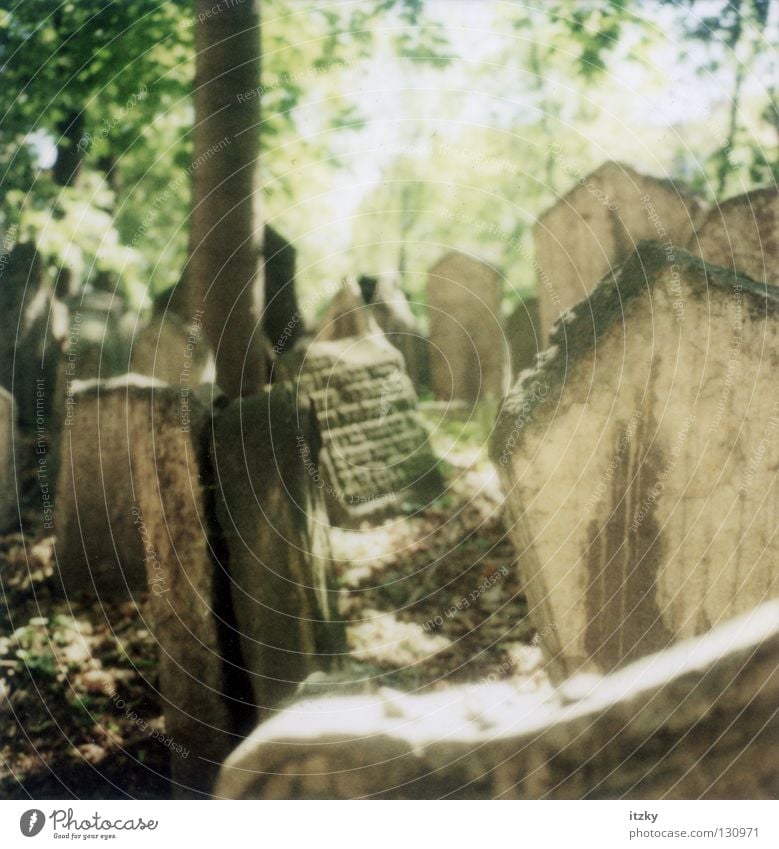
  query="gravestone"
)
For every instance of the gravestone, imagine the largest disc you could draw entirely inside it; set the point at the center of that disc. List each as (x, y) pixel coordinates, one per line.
(347, 315)
(8, 488)
(597, 225)
(375, 452)
(639, 461)
(390, 307)
(698, 720)
(522, 332)
(33, 328)
(743, 234)
(281, 318)
(132, 517)
(277, 536)
(173, 351)
(467, 347)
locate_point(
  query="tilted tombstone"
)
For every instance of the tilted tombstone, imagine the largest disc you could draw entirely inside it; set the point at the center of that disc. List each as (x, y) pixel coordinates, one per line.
(375, 452)
(468, 355)
(698, 720)
(390, 307)
(597, 225)
(743, 234)
(522, 332)
(8, 487)
(282, 320)
(639, 461)
(277, 536)
(347, 315)
(33, 328)
(132, 516)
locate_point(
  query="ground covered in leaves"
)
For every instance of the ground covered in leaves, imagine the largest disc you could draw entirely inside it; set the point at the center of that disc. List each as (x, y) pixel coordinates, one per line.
(432, 599)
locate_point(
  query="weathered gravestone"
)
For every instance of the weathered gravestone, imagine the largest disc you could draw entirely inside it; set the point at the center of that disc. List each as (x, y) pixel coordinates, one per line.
(698, 720)
(8, 489)
(277, 537)
(743, 234)
(467, 346)
(347, 315)
(174, 351)
(522, 332)
(132, 515)
(282, 320)
(639, 460)
(375, 452)
(597, 225)
(97, 345)
(33, 327)
(390, 307)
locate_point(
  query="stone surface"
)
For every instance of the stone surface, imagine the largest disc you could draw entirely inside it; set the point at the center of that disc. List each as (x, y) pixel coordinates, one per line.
(639, 461)
(597, 225)
(8, 472)
(131, 515)
(347, 315)
(281, 318)
(392, 311)
(375, 452)
(743, 234)
(698, 721)
(277, 542)
(33, 327)
(174, 351)
(522, 332)
(468, 353)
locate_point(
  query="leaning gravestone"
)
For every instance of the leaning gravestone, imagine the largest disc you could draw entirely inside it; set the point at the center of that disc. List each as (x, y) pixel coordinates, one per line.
(132, 516)
(522, 332)
(698, 720)
(597, 225)
(390, 307)
(639, 460)
(375, 451)
(281, 316)
(743, 234)
(8, 498)
(277, 536)
(467, 346)
(347, 315)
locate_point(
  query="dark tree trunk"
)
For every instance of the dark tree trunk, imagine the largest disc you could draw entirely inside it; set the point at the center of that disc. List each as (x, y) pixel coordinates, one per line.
(70, 154)
(222, 277)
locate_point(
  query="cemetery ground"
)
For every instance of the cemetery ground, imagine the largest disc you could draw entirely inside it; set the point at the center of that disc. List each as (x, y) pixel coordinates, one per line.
(430, 599)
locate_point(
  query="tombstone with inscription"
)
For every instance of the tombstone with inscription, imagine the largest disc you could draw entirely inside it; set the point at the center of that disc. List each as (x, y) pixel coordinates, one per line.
(642, 493)
(468, 356)
(597, 225)
(522, 329)
(743, 234)
(375, 452)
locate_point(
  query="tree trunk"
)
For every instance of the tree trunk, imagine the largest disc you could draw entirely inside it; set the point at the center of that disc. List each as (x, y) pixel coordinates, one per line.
(70, 154)
(222, 277)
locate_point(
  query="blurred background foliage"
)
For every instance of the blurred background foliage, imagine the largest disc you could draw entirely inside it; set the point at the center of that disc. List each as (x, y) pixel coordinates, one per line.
(392, 130)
